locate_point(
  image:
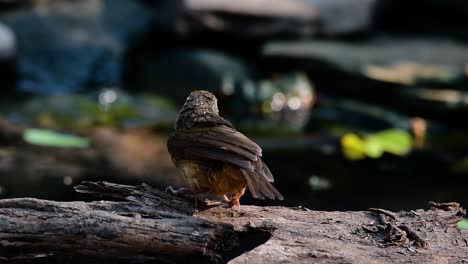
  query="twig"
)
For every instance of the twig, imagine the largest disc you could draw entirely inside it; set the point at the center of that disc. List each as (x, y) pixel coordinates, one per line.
(445, 206)
(383, 211)
(419, 241)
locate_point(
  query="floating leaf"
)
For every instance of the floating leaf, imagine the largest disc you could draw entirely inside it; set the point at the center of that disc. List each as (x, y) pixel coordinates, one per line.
(463, 224)
(396, 142)
(352, 146)
(373, 147)
(51, 138)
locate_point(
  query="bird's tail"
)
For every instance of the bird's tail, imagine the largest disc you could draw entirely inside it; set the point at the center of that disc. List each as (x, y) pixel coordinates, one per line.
(261, 187)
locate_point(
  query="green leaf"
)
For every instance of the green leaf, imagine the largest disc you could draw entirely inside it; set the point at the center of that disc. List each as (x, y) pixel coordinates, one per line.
(352, 147)
(394, 141)
(50, 138)
(463, 224)
(373, 148)
(397, 142)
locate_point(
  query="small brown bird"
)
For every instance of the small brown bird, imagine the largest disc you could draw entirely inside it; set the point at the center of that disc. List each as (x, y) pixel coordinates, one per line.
(214, 157)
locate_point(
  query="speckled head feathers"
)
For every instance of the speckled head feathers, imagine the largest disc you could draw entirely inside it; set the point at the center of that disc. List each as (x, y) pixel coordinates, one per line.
(201, 100)
(198, 104)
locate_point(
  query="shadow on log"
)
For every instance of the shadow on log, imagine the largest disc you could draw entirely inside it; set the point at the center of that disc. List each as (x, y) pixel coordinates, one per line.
(145, 225)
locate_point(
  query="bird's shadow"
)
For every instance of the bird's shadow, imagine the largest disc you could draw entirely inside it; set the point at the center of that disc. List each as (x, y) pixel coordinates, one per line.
(203, 202)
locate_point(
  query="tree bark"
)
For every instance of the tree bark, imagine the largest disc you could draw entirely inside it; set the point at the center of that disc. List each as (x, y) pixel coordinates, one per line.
(143, 225)
(147, 230)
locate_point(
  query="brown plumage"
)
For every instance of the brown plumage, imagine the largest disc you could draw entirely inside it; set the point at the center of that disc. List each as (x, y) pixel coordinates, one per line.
(214, 157)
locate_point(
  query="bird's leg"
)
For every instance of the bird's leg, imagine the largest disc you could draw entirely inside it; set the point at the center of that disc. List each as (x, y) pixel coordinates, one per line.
(235, 199)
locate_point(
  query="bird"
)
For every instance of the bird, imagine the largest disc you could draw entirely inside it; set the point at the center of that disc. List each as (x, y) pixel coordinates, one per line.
(215, 158)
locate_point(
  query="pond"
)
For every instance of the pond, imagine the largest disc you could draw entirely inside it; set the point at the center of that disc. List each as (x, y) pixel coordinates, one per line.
(352, 108)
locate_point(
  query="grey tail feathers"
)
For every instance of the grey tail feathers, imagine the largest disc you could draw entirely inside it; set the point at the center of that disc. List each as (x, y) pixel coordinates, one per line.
(261, 187)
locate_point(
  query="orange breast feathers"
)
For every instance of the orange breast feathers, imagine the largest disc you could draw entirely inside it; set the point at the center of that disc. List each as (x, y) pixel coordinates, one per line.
(218, 179)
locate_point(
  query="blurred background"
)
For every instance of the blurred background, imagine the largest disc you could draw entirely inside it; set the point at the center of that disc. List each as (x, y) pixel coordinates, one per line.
(356, 103)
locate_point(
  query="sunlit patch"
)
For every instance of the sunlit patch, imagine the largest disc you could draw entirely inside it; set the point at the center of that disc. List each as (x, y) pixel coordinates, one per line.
(277, 102)
(227, 86)
(294, 103)
(317, 183)
(67, 180)
(450, 97)
(463, 224)
(107, 97)
(265, 89)
(8, 41)
(410, 73)
(249, 88)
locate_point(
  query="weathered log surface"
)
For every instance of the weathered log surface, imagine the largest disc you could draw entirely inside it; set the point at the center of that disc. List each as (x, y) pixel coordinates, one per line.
(148, 225)
(299, 235)
(107, 231)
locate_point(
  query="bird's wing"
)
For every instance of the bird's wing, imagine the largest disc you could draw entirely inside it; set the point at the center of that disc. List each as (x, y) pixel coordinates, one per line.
(224, 143)
(217, 143)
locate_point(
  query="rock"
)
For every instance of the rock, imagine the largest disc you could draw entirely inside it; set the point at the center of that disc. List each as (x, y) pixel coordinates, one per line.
(339, 116)
(241, 90)
(414, 76)
(394, 60)
(175, 73)
(261, 18)
(66, 46)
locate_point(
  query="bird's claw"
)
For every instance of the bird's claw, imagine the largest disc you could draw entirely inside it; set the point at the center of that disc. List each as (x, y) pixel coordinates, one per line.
(235, 204)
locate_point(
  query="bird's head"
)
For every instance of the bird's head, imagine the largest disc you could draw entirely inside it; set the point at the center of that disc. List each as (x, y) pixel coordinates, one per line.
(201, 101)
(198, 104)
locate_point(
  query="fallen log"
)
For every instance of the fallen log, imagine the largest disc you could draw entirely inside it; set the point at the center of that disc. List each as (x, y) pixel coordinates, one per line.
(150, 229)
(142, 225)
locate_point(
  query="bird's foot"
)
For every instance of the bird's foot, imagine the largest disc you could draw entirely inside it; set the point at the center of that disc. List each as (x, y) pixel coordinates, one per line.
(227, 202)
(235, 204)
(235, 200)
